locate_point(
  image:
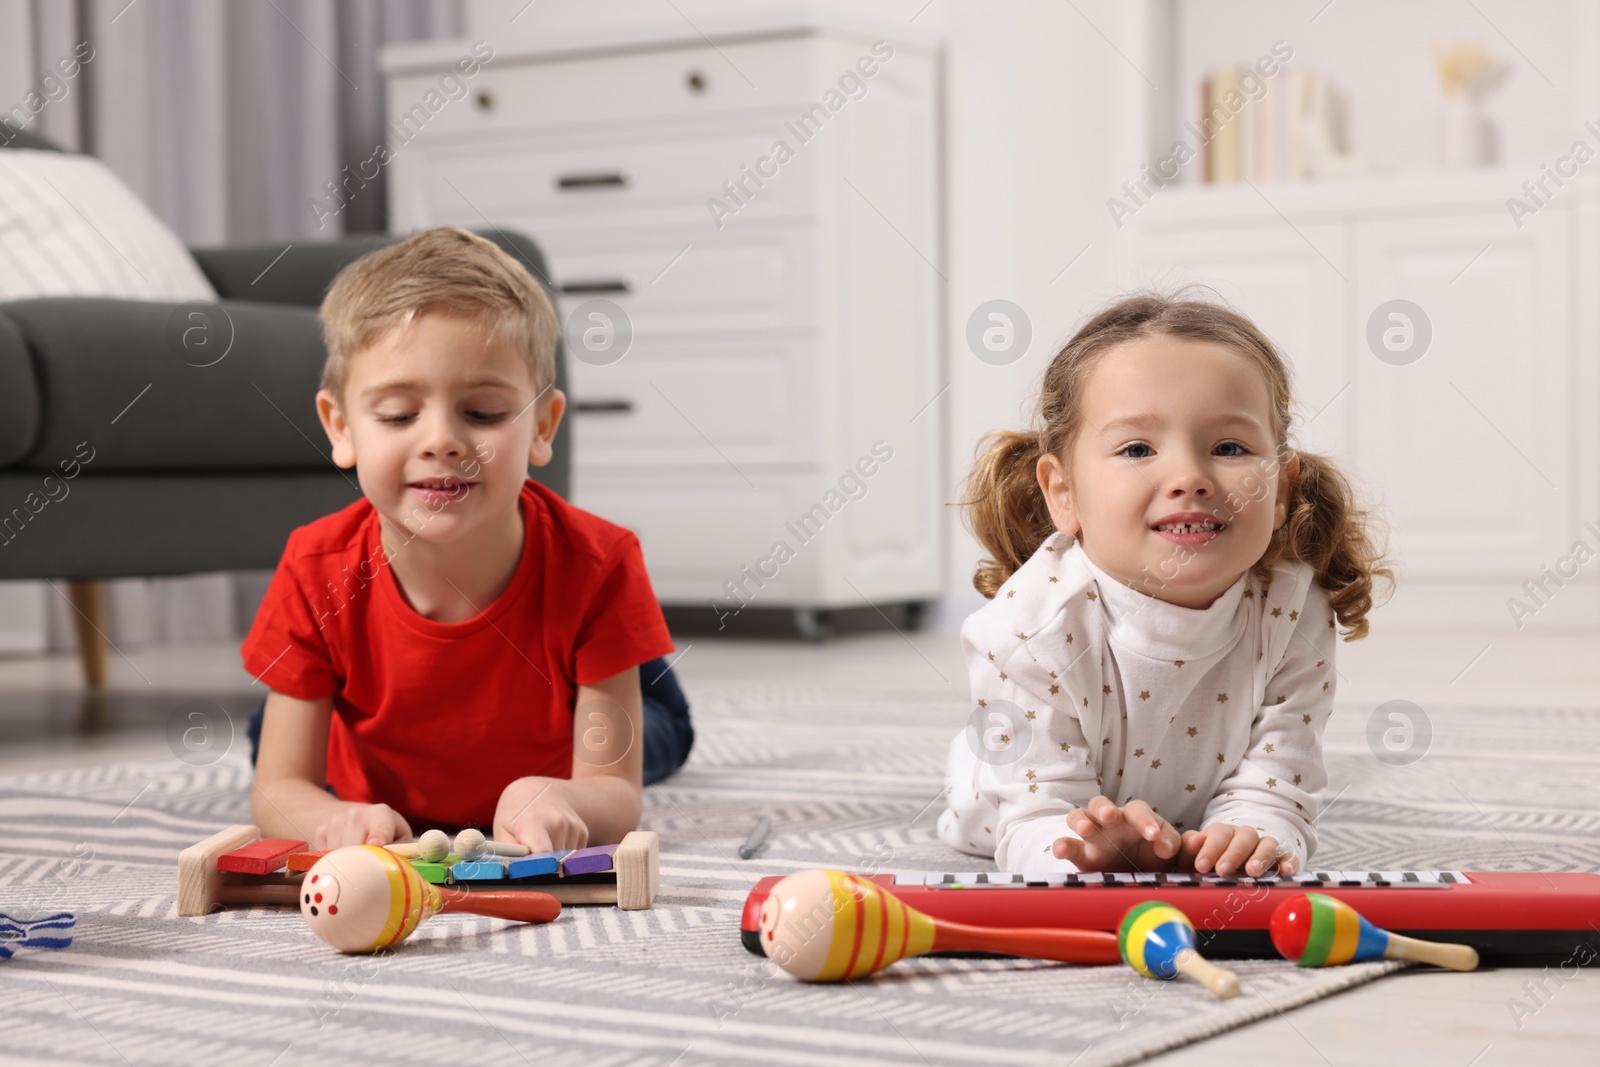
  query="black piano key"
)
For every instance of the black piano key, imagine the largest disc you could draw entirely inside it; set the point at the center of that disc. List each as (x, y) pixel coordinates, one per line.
(1073, 880)
(948, 879)
(1446, 876)
(1411, 876)
(1374, 876)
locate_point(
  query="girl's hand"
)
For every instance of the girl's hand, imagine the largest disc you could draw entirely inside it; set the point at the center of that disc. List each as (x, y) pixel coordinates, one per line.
(361, 824)
(1226, 848)
(1130, 838)
(535, 811)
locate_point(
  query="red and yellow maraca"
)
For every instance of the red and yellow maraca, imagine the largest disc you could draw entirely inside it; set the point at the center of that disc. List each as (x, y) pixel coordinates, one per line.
(1316, 930)
(824, 926)
(1157, 940)
(363, 898)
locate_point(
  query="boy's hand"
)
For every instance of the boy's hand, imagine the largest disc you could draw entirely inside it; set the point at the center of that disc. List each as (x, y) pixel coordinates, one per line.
(536, 812)
(1130, 838)
(361, 824)
(1226, 848)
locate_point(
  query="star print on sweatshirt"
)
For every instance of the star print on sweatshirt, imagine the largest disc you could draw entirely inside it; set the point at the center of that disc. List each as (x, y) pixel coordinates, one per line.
(1083, 685)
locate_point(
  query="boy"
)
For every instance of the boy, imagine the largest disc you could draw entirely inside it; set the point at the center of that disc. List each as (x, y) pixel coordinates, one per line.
(461, 646)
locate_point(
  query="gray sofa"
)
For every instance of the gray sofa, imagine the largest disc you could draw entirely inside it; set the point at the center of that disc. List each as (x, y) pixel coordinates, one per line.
(121, 455)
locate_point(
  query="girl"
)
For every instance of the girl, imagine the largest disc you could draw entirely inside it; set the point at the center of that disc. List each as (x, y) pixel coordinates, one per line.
(1155, 668)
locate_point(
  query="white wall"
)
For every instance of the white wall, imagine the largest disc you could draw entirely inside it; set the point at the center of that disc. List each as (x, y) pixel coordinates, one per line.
(16, 51)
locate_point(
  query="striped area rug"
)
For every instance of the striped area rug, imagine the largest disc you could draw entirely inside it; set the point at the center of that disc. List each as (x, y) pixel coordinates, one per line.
(850, 778)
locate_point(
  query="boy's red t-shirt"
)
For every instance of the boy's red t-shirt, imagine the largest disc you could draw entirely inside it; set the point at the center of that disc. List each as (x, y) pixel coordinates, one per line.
(436, 719)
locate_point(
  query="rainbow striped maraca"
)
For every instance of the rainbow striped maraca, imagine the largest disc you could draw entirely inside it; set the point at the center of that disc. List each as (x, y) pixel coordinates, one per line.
(1157, 940)
(363, 898)
(823, 926)
(1316, 930)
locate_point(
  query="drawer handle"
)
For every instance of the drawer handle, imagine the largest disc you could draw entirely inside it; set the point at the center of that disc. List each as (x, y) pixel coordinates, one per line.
(598, 285)
(603, 407)
(611, 180)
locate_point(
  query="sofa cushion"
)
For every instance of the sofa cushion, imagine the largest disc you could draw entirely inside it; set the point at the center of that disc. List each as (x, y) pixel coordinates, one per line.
(19, 395)
(164, 387)
(70, 227)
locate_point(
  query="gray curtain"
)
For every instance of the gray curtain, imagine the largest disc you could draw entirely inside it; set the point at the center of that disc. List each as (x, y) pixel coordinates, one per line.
(228, 119)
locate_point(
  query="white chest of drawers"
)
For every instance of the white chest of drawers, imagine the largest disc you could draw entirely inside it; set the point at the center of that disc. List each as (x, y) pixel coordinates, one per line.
(763, 205)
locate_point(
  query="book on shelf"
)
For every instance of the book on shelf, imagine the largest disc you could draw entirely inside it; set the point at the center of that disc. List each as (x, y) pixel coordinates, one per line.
(1287, 131)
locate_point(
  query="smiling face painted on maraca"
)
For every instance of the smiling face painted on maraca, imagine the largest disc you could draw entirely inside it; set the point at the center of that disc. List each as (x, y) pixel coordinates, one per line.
(361, 898)
(796, 926)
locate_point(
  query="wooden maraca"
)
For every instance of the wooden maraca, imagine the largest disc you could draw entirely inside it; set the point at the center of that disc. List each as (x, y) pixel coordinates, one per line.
(1316, 930)
(823, 926)
(1157, 940)
(363, 898)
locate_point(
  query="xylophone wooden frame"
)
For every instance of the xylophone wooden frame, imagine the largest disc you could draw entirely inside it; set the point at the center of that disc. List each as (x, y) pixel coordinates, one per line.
(202, 888)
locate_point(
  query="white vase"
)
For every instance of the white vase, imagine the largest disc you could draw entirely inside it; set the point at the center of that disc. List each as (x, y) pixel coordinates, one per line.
(1467, 138)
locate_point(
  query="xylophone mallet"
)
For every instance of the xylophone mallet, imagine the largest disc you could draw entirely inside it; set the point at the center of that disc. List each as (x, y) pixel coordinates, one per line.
(362, 898)
(433, 846)
(1157, 940)
(1316, 930)
(472, 845)
(824, 925)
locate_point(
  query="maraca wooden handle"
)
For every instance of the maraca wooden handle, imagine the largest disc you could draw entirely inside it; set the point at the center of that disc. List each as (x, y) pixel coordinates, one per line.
(1222, 982)
(1065, 946)
(516, 904)
(1438, 953)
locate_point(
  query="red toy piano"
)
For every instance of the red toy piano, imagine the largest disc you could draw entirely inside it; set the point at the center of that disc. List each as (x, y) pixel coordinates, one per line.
(1513, 918)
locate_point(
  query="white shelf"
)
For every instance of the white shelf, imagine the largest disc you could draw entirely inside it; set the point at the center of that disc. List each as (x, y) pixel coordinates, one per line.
(1409, 195)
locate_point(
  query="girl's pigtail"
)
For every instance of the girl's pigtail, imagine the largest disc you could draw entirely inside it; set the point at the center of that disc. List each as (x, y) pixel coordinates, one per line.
(1326, 530)
(1005, 508)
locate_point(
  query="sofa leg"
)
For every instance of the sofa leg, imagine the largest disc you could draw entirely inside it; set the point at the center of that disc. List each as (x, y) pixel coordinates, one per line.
(88, 596)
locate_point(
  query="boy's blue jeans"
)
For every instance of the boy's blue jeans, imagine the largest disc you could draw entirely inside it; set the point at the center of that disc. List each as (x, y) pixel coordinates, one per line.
(668, 734)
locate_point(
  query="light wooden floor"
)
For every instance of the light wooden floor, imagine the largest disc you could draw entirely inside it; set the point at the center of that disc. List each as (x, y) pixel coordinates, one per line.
(1412, 1017)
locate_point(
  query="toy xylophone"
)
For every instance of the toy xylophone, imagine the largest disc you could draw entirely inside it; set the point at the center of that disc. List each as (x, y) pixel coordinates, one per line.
(1510, 917)
(238, 867)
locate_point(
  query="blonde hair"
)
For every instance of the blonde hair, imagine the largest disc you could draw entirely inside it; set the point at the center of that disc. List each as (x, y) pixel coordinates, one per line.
(1006, 509)
(445, 268)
